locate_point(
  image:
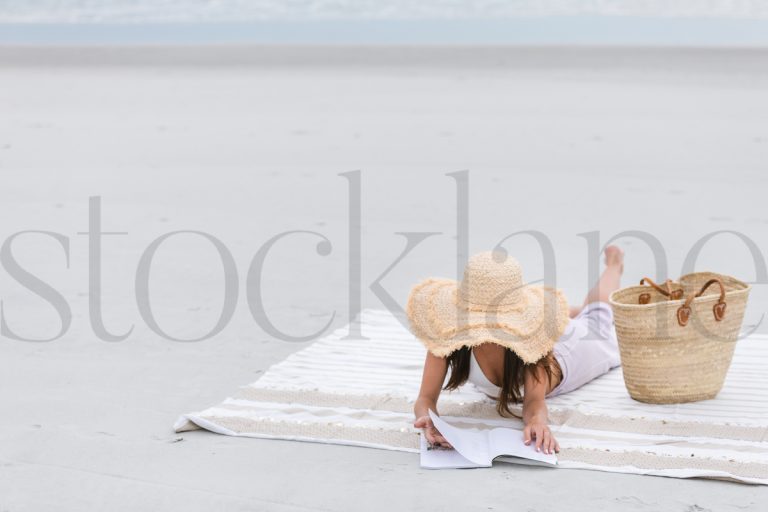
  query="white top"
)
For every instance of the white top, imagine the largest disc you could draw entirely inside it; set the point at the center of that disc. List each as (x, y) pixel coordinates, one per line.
(478, 378)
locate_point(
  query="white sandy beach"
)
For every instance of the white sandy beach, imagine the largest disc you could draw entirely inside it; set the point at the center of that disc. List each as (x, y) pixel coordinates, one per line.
(245, 143)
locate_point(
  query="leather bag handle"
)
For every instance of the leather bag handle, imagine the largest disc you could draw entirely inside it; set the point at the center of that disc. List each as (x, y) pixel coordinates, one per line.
(684, 311)
(645, 298)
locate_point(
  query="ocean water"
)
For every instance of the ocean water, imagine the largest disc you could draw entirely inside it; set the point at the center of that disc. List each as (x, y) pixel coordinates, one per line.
(222, 11)
(589, 22)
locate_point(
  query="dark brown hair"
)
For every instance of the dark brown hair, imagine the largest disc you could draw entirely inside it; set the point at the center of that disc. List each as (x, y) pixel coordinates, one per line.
(514, 375)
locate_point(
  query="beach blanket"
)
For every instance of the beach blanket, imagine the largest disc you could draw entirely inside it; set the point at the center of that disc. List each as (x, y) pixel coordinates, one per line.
(361, 391)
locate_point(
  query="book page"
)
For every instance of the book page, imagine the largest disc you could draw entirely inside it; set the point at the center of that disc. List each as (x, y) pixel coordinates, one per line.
(471, 444)
(443, 459)
(508, 441)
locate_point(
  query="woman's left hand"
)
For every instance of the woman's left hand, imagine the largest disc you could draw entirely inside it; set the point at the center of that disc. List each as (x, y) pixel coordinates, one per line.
(540, 432)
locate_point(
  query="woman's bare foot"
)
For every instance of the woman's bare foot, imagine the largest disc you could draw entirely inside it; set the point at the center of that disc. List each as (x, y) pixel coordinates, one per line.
(614, 257)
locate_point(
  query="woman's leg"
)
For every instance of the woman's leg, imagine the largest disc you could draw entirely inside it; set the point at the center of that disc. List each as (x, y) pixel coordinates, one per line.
(592, 349)
(610, 280)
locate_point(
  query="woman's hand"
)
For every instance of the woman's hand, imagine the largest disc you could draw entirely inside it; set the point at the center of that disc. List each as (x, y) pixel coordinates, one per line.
(434, 437)
(540, 432)
(535, 412)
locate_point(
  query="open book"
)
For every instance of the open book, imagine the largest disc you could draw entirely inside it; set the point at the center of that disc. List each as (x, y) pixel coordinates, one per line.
(473, 448)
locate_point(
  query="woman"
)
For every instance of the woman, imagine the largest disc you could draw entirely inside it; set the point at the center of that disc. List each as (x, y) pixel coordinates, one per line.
(515, 342)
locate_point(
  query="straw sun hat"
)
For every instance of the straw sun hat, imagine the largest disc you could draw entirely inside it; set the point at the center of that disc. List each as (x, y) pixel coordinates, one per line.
(492, 303)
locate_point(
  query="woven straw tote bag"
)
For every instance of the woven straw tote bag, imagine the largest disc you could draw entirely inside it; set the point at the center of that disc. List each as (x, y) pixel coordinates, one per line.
(676, 341)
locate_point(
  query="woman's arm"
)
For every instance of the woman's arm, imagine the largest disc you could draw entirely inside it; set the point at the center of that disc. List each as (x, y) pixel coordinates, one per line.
(435, 369)
(535, 412)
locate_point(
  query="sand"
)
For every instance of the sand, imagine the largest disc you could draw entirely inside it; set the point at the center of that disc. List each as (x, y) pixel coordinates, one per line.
(248, 143)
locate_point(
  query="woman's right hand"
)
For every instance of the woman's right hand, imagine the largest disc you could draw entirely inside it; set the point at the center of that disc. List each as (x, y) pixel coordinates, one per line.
(434, 437)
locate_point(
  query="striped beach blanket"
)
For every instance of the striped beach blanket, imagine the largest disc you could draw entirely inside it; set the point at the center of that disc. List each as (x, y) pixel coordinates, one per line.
(361, 392)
